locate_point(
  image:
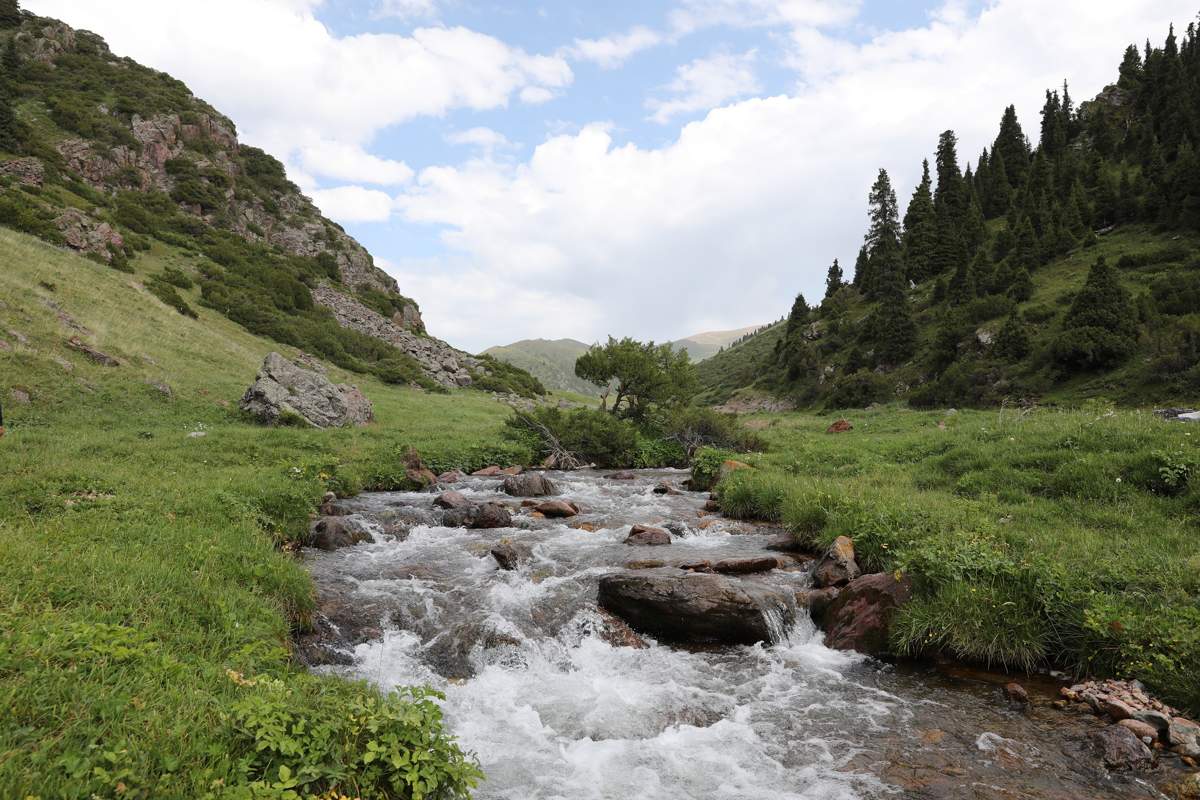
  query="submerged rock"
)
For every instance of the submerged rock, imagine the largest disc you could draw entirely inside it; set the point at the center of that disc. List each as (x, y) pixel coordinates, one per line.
(694, 607)
(334, 533)
(861, 616)
(286, 389)
(1121, 749)
(511, 555)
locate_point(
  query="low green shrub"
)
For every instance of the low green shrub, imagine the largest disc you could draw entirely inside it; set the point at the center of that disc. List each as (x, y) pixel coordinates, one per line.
(164, 290)
(589, 435)
(706, 467)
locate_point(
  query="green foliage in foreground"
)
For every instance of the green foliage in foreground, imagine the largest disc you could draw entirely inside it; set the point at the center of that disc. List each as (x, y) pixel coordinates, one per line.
(1047, 538)
(146, 603)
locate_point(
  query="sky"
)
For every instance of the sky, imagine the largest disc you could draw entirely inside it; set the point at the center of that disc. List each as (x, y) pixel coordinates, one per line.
(645, 168)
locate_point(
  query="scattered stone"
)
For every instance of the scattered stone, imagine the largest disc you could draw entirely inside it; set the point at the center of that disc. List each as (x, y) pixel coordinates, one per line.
(20, 397)
(785, 544)
(665, 487)
(512, 470)
(27, 171)
(530, 484)
(837, 567)
(646, 535)
(103, 359)
(1144, 731)
(645, 563)
(1155, 719)
(487, 472)
(1016, 693)
(416, 471)
(861, 616)
(557, 509)
(1115, 709)
(163, 389)
(451, 500)
(454, 476)
(488, 516)
(286, 390)
(511, 555)
(1121, 749)
(712, 506)
(81, 232)
(694, 607)
(841, 426)
(334, 533)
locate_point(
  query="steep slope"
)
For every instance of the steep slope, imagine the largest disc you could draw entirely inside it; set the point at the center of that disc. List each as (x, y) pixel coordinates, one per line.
(552, 361)
(705, 345)
(112, 159)
(1055, 274)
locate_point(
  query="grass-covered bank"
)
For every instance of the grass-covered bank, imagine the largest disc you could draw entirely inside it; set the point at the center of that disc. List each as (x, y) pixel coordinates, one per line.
(1049, 538)
(145, 605)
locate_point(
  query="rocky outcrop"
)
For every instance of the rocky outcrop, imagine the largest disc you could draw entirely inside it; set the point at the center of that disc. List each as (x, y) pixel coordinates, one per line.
(290, 390)
(86, 235)
(861, 616)
(26, 171)
(440, 361)
(694, 607)
(93, 355)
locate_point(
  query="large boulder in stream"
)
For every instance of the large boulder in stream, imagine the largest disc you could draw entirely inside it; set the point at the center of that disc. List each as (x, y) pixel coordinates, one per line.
(860, 618)
(334, 533)
(530, 484)
(695, 607)
(286, 390)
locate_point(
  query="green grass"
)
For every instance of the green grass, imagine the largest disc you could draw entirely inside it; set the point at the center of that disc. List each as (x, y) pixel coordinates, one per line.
(1051, 538)
(141, 564)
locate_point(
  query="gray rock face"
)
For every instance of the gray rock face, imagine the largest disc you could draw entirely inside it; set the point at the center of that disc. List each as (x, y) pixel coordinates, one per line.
(440, 361)
(1121, 748)
(86, 235)
(286, 388)
(27, 171)
(693, 606)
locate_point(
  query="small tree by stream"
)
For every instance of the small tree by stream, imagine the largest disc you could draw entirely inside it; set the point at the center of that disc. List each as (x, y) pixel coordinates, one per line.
(640, 374)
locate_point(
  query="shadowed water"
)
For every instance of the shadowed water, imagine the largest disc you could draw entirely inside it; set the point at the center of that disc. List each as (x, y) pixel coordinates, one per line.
(551, 710)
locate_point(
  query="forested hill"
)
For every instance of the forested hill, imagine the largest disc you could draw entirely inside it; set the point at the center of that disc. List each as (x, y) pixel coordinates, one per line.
(113, 160)
(1050, 273)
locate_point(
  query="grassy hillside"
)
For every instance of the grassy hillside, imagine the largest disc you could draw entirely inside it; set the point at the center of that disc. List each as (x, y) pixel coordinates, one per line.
(705, 345)
(143, 593)
(551, 361)
(1045, 538)
(740, 366)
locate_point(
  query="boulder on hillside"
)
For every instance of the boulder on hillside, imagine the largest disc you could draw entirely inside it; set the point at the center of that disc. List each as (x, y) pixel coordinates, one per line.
(837, 567)
(841, 426)
(530, 484)
(861, 616)
(285, 389)
(693, 607)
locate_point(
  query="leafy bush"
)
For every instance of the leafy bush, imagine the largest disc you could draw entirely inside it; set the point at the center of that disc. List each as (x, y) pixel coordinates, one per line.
(504, 378)
(25, 214)
(706, 467)
(695, 427)
(1170, 254)
(589, 435)
(177, 278)
(166, 291)
(346, 736)
(858, 390)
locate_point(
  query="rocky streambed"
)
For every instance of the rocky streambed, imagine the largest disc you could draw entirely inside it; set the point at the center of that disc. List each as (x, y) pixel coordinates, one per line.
(584, 657)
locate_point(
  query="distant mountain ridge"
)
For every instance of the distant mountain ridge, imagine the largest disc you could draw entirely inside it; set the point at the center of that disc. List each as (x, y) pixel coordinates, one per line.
(552, 361)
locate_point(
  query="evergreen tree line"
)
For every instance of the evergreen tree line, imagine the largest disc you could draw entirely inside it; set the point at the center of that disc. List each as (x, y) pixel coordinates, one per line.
(1128, 156)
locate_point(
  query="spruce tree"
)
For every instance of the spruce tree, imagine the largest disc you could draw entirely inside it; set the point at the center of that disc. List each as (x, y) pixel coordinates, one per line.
(974, 229)
(1100, 330)
(862, 271)
(950, 196)
(833, 280)
(10, 14)
(1012, 146)
(10, 128)
(962, 285)
(884, 256)
(920, 230)
(1012, 342)
(1021, 287)
(795, 353)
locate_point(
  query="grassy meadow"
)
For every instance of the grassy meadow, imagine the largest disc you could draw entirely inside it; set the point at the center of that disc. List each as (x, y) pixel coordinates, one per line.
(1043, 538)
(145, 602)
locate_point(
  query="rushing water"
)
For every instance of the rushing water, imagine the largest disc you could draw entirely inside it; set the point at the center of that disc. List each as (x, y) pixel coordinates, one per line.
(552, 710)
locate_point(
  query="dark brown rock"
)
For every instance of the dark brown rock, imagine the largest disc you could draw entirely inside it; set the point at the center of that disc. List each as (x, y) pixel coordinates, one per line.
(665, 487)
(712, 506)
(103, 359)
(1121, 749)
(416, 471)
(511, 555)
(692, 606)
(530, 484)
(454, 476)
(785, 544)
(837, 567)
(861, 616)
(745, 566)
(489, 516)
(1016, 693)
(617, 632)
(557, 509)
(645, 535)
(334, 533)
(451, 500)
(841, 426)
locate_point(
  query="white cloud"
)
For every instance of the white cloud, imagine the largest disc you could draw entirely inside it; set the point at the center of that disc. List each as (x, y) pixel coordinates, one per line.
(354, 204)
(536, 95)
(693, 15)
(407, 9)
(485, 139)
(348, 162)
(751, 203)
(706, 83)
(613, 51)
